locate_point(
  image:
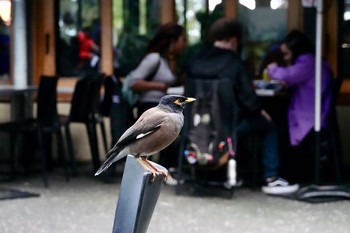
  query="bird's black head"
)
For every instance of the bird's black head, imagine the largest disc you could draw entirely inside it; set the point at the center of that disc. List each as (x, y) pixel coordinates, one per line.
(175, 102)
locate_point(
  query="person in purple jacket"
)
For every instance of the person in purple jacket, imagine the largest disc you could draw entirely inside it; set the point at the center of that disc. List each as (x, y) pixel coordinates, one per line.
(299, 77)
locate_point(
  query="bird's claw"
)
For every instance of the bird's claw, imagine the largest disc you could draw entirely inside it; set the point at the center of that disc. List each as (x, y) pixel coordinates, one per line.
(155, 173)
(152, 169)
(166, 175)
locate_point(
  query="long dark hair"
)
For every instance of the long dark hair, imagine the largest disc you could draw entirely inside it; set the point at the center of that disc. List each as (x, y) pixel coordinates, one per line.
(298, 43)
(166, 34)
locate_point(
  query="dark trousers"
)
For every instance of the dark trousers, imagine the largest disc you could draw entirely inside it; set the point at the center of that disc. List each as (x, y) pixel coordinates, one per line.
(267, 130)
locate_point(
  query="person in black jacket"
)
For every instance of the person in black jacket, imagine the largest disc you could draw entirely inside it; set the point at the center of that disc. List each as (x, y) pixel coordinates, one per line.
(221, 58)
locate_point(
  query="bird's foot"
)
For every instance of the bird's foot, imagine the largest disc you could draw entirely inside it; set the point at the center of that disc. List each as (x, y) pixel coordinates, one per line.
(152, 169)
(149, 168)
(154, 175)
(165, 173)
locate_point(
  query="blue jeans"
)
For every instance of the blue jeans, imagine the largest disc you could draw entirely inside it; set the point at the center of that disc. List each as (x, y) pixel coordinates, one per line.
(267, 130)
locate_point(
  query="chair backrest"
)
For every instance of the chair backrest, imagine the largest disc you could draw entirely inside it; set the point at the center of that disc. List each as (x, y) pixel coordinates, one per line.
(47, 114)
(332, 118)
(94, 97)
(86, 98)
(336, 85)
(210, 120)
(106, 102)
(79, 110)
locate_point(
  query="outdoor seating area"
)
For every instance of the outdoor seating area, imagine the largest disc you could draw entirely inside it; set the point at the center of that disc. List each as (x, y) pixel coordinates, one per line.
(50, 121)
(172, 116)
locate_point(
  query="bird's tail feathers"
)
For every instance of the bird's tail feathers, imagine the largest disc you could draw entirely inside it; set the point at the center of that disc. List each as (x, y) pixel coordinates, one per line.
(110, 159)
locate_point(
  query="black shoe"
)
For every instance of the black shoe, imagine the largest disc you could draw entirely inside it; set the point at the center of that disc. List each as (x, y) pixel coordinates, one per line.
(278, 186)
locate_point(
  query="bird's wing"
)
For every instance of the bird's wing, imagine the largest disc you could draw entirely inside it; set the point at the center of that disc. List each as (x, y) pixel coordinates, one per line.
(136, 135)
(147, 124)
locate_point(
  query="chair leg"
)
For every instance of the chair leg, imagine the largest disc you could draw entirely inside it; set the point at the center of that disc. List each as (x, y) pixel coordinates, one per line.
(13, 156)
(61, 152)
(71, 156)
(91, 128)
(180, 168)
(255, 142)
(335, 146)
(42, 157)
(104, 136)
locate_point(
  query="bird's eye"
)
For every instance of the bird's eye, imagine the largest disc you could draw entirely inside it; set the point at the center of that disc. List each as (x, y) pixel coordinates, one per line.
(177, 102)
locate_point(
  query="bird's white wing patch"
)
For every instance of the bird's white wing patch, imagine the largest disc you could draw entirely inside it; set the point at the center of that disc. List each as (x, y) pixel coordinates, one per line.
(141, 135)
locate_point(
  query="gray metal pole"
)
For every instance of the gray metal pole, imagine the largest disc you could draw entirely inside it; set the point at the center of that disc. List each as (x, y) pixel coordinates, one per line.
(319, 32)
(19, 45)
(137, 199)
(318, 71)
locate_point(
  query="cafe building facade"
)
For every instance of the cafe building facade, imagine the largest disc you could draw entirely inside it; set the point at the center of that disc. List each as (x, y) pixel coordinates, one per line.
(40, 37)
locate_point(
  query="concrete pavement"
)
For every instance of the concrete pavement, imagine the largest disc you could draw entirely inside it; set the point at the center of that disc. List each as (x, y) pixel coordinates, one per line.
(86, 205)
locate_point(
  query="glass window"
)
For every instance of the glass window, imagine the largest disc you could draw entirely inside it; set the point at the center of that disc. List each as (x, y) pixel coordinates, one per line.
(265, 24)
(134, 23)
(79, 36)
(5, 22)
(196, 16)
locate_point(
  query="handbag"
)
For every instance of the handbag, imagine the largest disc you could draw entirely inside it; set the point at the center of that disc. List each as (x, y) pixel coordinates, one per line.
(130, 96)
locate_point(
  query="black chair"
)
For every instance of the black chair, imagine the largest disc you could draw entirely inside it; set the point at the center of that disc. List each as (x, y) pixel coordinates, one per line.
(95, 110)
(45, 123)
(84, 109)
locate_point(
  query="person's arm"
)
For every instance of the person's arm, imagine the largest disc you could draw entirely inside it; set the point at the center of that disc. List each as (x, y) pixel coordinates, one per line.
(145, 68)
(266, 115)
(143, 85)
(295, 74)
(245, 93)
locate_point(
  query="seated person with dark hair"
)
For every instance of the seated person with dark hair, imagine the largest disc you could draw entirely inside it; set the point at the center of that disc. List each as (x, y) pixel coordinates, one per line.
(299, 78)
(221, 58)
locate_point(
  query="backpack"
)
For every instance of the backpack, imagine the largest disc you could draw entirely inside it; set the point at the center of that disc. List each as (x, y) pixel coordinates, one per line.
(209, 122)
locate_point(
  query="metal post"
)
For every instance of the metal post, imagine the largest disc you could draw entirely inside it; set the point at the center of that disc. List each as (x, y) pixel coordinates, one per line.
(138, 196)
(317, 127)
(19, 45)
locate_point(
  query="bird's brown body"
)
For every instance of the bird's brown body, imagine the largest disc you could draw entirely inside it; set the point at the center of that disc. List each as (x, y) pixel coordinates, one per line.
(156, 129)
(170, 127)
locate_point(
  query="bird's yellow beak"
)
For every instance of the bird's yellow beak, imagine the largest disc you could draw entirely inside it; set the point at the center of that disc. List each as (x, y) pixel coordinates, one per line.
(182, 103)
(189, 100)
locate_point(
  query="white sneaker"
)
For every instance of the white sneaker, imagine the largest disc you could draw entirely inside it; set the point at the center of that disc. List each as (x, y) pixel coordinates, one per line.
(279, 186)
(170, 181)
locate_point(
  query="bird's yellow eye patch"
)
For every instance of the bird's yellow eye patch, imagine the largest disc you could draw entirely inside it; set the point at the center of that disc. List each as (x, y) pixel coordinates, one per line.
(177, 102)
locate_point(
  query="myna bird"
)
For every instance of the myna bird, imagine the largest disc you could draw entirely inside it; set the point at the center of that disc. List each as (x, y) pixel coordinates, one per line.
(155, 129)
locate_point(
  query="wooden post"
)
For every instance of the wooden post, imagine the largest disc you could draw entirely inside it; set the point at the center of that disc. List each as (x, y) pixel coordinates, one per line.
(107, 38)
(231, 7)
(167, 11)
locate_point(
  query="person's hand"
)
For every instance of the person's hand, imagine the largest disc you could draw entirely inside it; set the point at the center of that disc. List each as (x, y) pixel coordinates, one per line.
(273, 64)
(265, 115)
(162, 86)
(284, 84)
